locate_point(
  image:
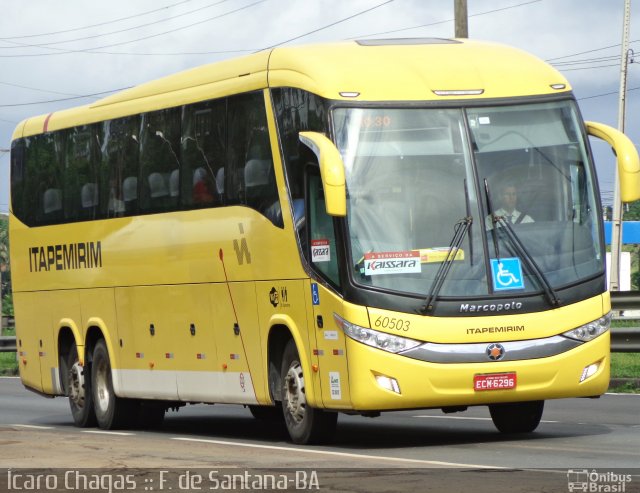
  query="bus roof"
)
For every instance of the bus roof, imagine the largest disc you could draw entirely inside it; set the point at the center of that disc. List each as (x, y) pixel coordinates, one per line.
(429, 69)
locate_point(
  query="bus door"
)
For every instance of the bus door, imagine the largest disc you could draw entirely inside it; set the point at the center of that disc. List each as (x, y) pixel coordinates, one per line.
(329, 339)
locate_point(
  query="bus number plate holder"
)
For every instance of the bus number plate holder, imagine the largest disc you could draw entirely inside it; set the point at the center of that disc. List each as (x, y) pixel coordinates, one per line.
(495, 381)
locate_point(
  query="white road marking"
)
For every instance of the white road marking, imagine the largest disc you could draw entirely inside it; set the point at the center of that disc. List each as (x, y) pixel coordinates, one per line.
(35, 427)
(337, 454)
(464, 417)
(101, 432)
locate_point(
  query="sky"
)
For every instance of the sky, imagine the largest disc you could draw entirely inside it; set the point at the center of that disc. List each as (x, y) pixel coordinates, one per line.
(56, 55)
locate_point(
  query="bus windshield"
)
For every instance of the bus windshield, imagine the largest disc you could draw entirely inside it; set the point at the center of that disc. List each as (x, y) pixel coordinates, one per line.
(413, 174)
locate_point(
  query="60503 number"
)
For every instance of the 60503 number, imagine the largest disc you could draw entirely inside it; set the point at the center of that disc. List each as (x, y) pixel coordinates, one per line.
(392, 323)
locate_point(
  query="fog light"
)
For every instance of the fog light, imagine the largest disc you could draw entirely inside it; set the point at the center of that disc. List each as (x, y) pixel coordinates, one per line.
(589, 371)
(388, 383)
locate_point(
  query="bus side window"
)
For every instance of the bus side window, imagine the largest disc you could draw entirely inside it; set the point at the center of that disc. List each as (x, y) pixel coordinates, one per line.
(324, 255)
(252, 175)
(159, 148)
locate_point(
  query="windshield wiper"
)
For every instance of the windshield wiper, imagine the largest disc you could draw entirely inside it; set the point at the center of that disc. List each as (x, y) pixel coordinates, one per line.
(550, 293)
(520, 249)
(461, 229)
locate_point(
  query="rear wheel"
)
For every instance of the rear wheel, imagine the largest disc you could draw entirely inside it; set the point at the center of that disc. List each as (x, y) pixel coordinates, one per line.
(111, 411)
(77, 385)
(517, 417)
(305, 424)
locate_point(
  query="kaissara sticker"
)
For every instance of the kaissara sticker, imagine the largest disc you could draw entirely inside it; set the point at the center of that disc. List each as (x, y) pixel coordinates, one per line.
(320, 251)
(392, 263)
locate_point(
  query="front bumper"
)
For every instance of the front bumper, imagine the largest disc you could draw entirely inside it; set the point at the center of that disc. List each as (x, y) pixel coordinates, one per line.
(424, 384)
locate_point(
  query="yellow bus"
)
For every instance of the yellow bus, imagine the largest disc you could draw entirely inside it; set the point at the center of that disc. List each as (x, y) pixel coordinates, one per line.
(356, 227)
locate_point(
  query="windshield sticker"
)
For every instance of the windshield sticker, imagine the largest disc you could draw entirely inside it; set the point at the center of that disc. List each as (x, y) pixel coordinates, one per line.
(320, 251)
(507, 274)
(484, 120)
(438, 254)
(392, 263)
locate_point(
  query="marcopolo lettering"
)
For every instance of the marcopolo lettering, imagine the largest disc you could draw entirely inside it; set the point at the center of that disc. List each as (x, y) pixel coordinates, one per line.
(86, 255)
(490, 307)
(496, 330)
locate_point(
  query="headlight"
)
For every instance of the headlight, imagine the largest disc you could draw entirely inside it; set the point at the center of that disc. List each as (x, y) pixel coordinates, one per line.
(374, 338)
(590, 331)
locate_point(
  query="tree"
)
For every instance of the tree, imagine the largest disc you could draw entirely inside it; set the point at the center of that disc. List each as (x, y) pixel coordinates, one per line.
(4, 256)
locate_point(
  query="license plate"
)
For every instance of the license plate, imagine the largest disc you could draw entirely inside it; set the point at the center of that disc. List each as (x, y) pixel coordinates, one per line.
(495, 381)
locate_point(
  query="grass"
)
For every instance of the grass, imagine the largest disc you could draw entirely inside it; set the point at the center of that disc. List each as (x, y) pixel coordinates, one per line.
(625, 365)
(8, 362)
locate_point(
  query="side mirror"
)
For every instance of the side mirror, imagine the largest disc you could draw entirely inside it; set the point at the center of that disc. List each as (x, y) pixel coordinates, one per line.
(628, 161)
(331, 171)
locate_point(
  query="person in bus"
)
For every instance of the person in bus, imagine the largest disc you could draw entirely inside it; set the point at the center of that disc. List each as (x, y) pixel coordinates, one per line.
(508, 208)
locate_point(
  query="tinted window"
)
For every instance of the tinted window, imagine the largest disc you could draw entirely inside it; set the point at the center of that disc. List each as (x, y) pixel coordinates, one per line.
(119, 145)
(203, 154)
(251, 179)
(159, 162)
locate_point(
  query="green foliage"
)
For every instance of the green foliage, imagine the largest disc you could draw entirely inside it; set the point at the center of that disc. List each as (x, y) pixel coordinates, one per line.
(8, 364)
(7, 304)
(625, 365)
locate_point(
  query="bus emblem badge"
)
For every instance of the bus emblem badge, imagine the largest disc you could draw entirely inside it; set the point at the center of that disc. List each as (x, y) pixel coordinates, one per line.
(495, 352)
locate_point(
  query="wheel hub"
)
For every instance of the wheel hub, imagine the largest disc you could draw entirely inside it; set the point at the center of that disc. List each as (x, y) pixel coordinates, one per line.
(102, 395)
(76, 387)
(294, 389)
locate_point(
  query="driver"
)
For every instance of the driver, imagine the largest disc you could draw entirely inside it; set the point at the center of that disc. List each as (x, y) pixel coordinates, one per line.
(508, 210)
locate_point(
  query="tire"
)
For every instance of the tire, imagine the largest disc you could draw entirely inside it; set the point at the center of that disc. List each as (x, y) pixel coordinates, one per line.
(271, 414)
(304, 423)
(517, 417)
(111, 411)
(77, 386)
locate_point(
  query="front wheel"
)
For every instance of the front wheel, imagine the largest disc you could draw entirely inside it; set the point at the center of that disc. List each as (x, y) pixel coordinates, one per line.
(305, 424)
(111, 411)
(517, 417)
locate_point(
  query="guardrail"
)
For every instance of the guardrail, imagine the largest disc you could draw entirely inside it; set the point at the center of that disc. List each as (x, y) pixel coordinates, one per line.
(8, 344)
(623, 339)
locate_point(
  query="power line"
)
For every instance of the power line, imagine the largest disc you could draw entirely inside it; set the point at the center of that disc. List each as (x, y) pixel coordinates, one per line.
(589, 51)
(97, 25)
(607, 94)
(332, 24)
(63, 99)
(46, 45)
(587, 60)
(589, 68)
(446, 21)
(61, 51)
(36, 89)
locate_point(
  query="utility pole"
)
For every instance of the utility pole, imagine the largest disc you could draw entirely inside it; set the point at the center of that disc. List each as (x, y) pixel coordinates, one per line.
(461, 18)
(616, 219)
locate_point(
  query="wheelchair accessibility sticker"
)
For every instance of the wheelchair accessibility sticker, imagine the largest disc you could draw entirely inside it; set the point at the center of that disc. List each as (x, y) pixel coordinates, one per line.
(507, 273)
